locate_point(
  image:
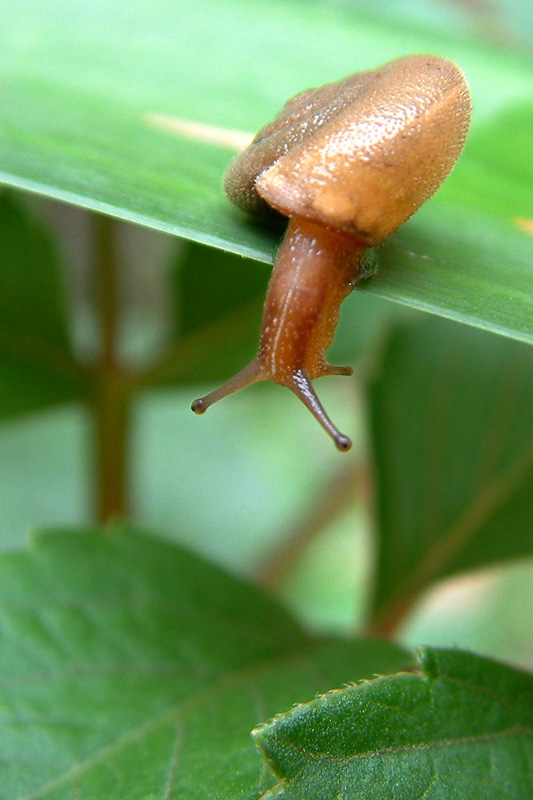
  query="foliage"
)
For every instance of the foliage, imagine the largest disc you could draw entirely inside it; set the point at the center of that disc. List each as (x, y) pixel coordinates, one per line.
(451, 426)
(102, 130)
(131, 668)
(135, 670)
(460, 726)
(37, 367)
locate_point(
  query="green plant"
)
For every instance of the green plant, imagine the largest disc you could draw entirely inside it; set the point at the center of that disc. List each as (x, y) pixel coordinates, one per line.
(131, 668)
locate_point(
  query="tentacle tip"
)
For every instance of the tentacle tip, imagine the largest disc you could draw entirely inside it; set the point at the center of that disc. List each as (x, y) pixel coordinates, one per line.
(199, 406)
(331, 369)
(343, 443)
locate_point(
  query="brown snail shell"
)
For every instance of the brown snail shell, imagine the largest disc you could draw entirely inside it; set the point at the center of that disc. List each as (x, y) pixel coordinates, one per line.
(348, 163)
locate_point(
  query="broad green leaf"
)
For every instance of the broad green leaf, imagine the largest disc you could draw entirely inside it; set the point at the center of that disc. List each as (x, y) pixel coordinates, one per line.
(130, 669)
(94, 98)
(460, 727)
(452, 430)
(37, 368)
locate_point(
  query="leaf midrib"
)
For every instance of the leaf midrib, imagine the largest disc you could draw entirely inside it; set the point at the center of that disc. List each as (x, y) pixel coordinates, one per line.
(482, 737)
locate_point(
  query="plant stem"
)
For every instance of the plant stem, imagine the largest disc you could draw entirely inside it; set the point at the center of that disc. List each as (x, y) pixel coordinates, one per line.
(113, 397)
(112, 416)
(387, 625)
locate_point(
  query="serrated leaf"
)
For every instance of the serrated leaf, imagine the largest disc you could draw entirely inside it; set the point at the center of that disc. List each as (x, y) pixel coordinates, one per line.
(451, 421)
(94, 100)
(132, 670)
(461, 727)
(37, 368)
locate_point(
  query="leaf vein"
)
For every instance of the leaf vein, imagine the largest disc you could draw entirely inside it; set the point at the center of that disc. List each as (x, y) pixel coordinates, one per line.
(485, 737)
(171, 714)
(174, 761)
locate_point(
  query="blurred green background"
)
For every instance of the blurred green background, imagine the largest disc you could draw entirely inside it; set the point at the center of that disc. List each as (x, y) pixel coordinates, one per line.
(241, 482)
(256, 473)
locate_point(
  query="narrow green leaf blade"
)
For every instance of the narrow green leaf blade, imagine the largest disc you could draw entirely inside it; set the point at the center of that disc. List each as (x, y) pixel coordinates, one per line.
(37, 368)
(455, 263)
(132, 670)
(451, 421)
(461, 727)
(98, 120)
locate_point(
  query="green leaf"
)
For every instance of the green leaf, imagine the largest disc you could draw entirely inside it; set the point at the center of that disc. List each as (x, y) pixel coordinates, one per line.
(461, 727)
(451, 261)
(94, 98)
(37, 368)
(451, 422)
(132, 670)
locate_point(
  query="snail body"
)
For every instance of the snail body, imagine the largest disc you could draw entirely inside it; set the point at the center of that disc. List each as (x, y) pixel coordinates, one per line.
(347, 163)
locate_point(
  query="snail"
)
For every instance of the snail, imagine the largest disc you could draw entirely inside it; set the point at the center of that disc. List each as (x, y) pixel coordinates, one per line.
(347, 163)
